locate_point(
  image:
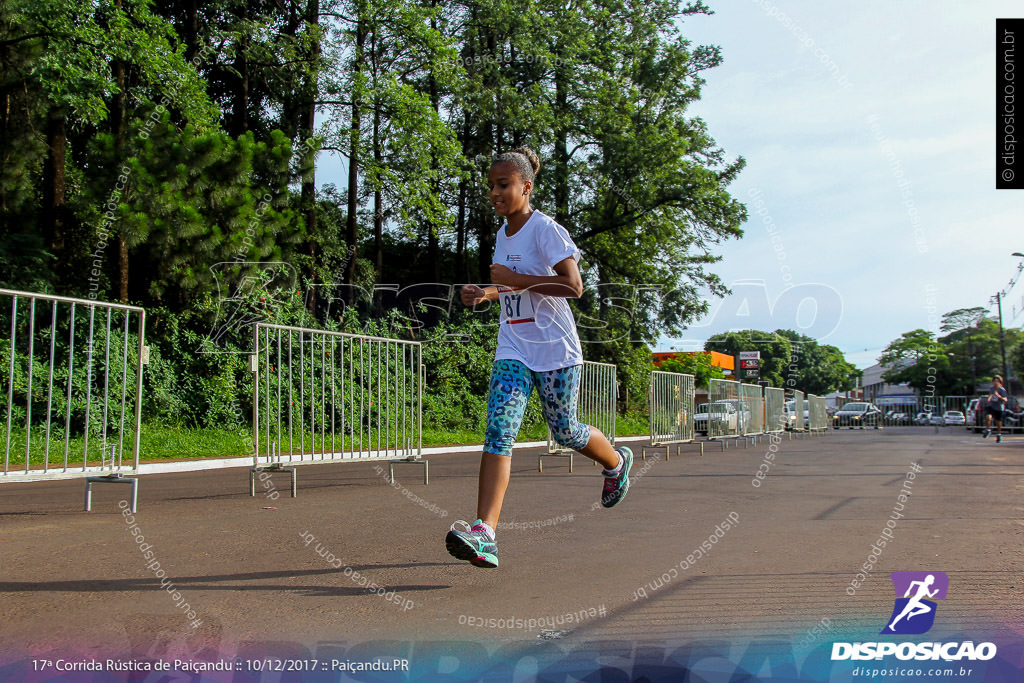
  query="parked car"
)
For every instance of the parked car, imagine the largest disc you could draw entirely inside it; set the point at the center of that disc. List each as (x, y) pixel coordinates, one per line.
(723, 413)
(792, 417)
(857, 414)
(923, 418)
(898, 418)
(935, 419)
(953, 417)
(975, 417)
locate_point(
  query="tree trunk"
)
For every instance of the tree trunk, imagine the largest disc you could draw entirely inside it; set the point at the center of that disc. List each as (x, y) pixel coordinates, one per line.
(5, 122)
(561, 180)
(378, 200)
(352, 226)
(485, 224)
(433, 241)
(460, 235)
(119, 126)
(52, 215)
(310, 86)
(240, 106)
(191, 29)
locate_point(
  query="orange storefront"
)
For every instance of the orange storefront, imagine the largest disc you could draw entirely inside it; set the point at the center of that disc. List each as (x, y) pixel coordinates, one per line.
(721, 360)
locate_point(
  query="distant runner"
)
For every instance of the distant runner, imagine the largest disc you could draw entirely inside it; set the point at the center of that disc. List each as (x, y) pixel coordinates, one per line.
(994, 408)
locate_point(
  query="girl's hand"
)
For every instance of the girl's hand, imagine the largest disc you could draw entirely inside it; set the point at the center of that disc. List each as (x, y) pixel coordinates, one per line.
(500, 275)
(472, 295)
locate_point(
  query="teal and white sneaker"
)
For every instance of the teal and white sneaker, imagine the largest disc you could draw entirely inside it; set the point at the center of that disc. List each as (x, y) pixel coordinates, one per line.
(615, 488)
(472, 545)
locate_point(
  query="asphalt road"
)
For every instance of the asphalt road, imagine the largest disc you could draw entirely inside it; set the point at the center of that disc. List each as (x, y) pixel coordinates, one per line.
(779, 567)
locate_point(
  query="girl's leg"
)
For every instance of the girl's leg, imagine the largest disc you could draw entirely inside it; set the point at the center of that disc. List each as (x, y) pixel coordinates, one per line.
(559, 392)
(511, 384)
(600, 449)
(494, 475)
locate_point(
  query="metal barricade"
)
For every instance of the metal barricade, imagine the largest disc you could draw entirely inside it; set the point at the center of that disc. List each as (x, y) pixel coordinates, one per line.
(751, 410)
(670, 404)
(722, 417)
(74, 390)
(596, 407)
(801, 412)
(818, 415)
(321, 397)
(774, 409)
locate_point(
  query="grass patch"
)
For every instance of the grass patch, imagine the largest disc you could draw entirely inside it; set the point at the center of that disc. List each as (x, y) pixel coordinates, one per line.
(164, 442)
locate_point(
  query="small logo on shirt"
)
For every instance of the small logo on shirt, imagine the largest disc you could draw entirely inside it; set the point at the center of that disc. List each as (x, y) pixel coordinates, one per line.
(513, 257)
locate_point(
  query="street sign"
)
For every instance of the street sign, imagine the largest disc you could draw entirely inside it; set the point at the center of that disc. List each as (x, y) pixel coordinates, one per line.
(750, 373)
(753, 363)
(750, 355)
(764, 383)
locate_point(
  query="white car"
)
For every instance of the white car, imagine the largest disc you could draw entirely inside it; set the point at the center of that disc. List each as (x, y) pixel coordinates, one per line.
(936, 419)
(721, 412)
(792, 419)
(954, 417)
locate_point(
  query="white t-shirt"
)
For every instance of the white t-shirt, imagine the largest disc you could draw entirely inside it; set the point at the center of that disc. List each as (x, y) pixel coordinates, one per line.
(536, 329)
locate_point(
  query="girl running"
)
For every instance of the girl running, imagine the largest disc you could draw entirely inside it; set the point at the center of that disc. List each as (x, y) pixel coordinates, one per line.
(534, 269)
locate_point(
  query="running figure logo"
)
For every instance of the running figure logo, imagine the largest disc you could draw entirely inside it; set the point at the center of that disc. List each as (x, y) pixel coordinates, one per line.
(914, 613)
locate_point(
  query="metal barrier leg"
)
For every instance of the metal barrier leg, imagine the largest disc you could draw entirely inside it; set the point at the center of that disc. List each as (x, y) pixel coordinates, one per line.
(115, 478)
(409, 461)
(275, 467)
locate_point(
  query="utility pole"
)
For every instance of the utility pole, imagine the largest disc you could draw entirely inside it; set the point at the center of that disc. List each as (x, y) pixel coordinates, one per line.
(1002, 340)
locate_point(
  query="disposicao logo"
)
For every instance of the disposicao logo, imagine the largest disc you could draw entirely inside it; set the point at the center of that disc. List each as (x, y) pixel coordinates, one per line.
(912, 614)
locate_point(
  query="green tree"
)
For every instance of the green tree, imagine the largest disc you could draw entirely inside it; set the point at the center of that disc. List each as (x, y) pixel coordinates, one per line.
(1015, 357)
(962, 327)
(775, 349)
(699, 365)
(205, 198)
(71, 63)
(817, 368)
(954, 364)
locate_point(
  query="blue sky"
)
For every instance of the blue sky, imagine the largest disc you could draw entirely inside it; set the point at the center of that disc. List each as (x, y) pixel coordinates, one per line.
(869, 135)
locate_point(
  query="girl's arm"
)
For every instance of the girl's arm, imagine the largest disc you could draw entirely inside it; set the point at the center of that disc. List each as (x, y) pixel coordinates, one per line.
(567, 283)
(472, 295)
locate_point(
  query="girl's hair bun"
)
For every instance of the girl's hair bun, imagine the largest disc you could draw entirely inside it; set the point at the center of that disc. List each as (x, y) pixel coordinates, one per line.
(524, 159)
(531, 156)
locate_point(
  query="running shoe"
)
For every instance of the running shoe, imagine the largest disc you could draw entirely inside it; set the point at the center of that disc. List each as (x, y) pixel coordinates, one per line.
(472, 544)
(985, 434)
(615, 488)
(999, 438)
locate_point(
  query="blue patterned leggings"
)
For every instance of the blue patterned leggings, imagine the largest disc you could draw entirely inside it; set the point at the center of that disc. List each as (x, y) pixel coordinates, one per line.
(511, 384)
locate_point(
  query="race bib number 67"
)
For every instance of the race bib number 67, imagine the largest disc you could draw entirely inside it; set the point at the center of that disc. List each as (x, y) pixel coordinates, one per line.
(516, 305)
